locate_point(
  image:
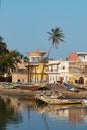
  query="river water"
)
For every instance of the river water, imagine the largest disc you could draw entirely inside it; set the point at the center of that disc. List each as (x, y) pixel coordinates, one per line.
(25, 114)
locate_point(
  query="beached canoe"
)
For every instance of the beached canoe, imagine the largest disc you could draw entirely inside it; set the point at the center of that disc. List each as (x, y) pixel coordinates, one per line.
(70, 87)
(33, 87)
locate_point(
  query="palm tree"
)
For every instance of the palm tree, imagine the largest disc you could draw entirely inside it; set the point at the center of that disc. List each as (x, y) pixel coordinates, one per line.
(57, 36)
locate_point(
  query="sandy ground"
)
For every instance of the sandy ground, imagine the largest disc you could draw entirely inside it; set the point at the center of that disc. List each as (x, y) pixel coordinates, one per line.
(82, 93)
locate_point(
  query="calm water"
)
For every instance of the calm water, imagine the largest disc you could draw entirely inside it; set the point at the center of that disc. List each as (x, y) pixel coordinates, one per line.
(18, 114)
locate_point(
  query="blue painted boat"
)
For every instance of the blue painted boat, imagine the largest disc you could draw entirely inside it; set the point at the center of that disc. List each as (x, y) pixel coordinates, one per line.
(70, 87)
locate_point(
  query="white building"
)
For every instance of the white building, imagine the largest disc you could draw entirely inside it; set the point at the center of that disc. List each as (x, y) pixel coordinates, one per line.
(78, 56)
(58, 70)
(82, 56)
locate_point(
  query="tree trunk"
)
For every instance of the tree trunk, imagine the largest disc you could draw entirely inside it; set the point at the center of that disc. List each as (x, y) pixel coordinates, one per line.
(45, 63)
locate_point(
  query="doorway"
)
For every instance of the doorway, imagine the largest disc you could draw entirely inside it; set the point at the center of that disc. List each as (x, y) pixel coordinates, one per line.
(81, 80)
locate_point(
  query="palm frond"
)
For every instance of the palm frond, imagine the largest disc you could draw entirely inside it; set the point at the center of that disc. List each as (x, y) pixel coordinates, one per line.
(56, 35)
(49, 33)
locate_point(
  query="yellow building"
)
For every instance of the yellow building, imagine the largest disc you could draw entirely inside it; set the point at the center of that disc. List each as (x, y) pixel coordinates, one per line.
(36, 66)
(78, 72)
(35, 73)
(32, 70)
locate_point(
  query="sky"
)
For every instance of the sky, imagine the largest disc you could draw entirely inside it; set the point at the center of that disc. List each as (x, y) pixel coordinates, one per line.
(24, 25)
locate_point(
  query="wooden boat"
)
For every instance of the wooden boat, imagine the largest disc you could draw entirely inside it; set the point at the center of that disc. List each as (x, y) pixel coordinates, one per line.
(33, 87)
(70, 87)
(7, 85)
(57, 101)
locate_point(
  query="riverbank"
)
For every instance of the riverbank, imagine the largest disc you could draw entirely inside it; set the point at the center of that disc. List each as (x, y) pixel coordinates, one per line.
(82, 93)
(14, 92)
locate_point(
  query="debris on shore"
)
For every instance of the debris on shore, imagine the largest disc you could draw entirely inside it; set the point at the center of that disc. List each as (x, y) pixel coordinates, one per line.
(82, 94)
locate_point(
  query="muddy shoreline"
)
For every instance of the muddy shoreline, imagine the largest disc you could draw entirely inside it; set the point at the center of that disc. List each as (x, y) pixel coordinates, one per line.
(81, 94)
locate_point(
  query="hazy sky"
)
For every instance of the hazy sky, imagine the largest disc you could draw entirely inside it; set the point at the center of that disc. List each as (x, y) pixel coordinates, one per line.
(24, 25)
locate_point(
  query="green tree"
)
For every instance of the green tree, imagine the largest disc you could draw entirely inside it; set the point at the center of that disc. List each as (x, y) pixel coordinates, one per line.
(3, 56)
(3, 46)
(8, 59)
(13, 58)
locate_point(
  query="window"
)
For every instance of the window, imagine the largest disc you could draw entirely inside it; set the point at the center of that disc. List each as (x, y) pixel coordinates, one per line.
(50, 78)
(51, 68)
(57, 67)
(63, 67)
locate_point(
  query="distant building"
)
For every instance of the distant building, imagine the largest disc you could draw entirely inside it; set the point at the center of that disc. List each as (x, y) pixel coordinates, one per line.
(20, 73)
(73, 70)
(32, 70)
(78, 72)
(78, 67)
(36, 55)
(58, 70)
(36, 66)
(78, 56)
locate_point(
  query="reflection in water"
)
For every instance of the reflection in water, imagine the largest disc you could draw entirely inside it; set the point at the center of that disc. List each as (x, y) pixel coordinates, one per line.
(11, 109)
(8, 113)
(73, 113)
(45, 121)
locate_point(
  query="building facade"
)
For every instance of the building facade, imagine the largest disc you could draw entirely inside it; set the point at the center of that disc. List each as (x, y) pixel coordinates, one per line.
(78, 72)
(36, 66)
(78, 67)
(58, 70)
(20, 74)
(73, 70)
(78, 56)
(31, 71)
